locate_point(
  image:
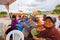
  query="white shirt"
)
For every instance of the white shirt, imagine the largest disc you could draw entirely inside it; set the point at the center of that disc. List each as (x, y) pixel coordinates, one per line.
(57, 24)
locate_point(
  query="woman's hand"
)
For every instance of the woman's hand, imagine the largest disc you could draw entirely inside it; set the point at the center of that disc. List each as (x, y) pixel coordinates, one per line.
(40, 38)
(23, 23)
(35, 38)
(9, 25)
(39, 29)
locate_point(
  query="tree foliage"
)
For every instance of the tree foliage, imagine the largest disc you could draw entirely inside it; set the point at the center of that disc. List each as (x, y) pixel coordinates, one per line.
(56, 10)
(2, 13)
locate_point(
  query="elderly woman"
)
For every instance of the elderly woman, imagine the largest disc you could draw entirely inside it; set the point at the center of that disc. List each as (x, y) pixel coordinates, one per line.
(48, 32)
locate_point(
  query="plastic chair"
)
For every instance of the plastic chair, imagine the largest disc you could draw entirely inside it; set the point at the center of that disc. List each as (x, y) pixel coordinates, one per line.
(1, 29)
(20, 35)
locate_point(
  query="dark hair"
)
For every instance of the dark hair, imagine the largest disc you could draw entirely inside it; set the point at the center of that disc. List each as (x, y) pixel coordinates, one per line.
(45, 15)
(52, 19)
(13, 16)
(19, 16)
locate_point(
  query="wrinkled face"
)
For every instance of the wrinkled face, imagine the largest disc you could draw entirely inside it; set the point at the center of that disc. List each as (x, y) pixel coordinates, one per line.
(48, 23)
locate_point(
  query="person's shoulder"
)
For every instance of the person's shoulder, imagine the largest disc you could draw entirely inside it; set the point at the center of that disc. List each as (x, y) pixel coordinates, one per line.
(54, 30)
(56, 33)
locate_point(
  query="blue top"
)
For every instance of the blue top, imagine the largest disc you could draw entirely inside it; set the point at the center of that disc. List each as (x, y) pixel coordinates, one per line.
(26, 20)
(20, 27)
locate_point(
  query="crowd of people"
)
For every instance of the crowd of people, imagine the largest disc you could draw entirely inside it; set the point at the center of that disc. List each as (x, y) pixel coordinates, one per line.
(33, 28)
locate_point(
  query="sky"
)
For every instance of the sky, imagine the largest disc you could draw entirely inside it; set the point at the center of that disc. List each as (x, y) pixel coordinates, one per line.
(2, 8)
(31, 5)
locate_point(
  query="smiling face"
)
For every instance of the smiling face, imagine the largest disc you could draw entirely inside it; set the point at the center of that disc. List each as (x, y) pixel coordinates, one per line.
(48, 23)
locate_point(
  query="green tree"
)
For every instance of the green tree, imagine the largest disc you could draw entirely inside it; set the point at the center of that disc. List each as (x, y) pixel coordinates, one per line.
(39, 12)
(2, 13)
(56, 10)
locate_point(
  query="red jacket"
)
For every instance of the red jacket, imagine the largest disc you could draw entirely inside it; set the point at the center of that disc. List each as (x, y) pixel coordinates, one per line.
(50, 34)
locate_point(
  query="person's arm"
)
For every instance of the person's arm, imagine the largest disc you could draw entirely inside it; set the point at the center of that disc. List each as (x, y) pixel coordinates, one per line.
(9, 25)
(14, 24)
(54, 35)
(36, 38)
(25, 26)
(41, 37)
(52, 38)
